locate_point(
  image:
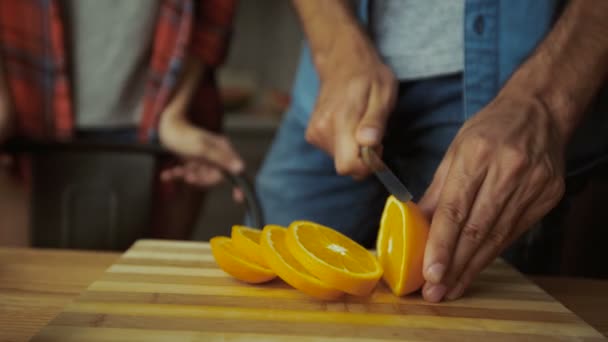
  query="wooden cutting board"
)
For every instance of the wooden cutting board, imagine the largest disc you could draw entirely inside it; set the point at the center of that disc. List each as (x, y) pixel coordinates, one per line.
(172, 291)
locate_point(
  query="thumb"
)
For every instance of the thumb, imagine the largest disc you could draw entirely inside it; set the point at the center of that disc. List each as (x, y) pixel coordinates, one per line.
(373, 123)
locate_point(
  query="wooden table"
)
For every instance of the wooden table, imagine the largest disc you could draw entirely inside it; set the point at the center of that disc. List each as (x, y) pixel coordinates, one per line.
(36, 284)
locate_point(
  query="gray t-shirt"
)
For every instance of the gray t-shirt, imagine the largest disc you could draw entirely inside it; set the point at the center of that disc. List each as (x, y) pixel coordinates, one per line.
(110, 42)
(419, 38)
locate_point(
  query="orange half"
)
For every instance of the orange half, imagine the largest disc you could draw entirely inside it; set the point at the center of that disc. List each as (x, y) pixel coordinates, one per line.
(247, 242)
(282, 262)
(400, 245)
(334, 258)
(228, 259)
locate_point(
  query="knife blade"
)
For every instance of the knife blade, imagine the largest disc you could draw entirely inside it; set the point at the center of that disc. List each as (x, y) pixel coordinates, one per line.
(394, 186)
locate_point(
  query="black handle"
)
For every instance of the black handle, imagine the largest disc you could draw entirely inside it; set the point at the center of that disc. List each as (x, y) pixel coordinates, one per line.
(241, 181)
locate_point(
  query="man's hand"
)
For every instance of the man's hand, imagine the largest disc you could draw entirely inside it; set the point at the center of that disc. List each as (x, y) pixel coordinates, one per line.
(354, 102)
(504, 170)
(502, 173)
(357, 91)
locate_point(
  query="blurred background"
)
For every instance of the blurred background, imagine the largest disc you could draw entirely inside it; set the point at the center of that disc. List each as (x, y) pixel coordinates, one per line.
(255, 84)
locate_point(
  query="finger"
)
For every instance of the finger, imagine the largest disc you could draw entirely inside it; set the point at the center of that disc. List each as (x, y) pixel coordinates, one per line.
(172, 173)
(208, 176)
(194, 142)
(346, 147)
(347, 159)
(191, 172)
(372, 126)
(238, 195)
(490, 250)
(222, 154)
(178, 172)
(526, 206)
(433, 292)
(199, 173)
(495, 192)
(463, 181)
(480, 261)
(165, 175)
(320, 126)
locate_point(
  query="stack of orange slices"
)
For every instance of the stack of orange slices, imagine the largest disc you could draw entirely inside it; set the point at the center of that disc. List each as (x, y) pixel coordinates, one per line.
(234, 255)
(324, 263)
(312, 258)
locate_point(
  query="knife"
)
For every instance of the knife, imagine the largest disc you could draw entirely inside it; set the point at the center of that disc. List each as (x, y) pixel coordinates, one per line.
(394, 186)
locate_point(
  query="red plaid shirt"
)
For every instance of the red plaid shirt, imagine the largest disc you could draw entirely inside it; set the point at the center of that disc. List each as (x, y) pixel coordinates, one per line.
(33, 54)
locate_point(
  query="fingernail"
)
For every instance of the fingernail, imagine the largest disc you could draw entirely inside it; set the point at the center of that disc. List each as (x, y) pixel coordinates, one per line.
(435, 272)
(456, 292)
(369, 135)
(236, 166)
(435, 293)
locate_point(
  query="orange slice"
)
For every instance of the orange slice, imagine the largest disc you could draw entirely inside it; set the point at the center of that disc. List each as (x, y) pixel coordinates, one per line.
(333, 258)
(229, 260)
(247, 242)
(400, 245)
(280, 260)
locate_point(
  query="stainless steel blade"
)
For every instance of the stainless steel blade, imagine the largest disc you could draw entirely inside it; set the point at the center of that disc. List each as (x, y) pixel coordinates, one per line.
(394, 186)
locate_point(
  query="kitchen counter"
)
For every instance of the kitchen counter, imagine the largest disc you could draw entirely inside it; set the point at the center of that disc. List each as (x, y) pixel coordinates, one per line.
(35, 284)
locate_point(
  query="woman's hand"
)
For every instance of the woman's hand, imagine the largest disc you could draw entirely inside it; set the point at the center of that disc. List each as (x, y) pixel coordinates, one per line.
(205, 154)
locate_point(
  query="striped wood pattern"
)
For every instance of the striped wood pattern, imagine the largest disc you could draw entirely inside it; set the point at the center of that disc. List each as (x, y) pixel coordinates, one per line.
(166, 290)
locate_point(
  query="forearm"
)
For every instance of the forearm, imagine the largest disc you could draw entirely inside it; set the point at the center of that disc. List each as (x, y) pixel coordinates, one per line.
(331, 28)
(570, 65)
(190, 78)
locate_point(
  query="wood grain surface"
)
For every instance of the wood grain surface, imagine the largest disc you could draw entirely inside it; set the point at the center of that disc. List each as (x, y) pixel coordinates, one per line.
(160, 290)
(36, 284)
(587, 298)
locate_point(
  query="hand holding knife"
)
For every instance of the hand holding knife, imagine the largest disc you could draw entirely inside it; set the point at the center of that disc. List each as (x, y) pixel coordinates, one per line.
(394, 186)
